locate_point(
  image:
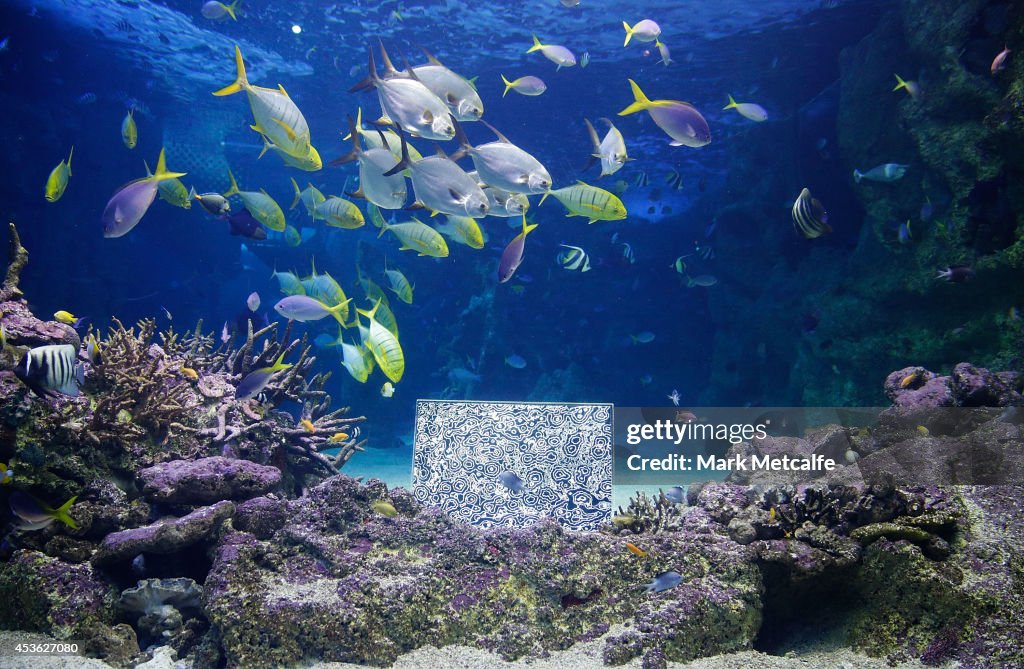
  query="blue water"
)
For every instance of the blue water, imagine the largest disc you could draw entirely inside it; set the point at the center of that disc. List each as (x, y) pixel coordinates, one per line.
(71, 70)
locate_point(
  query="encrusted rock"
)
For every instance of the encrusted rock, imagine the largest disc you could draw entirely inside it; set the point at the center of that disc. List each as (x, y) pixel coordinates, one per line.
(164, 536)
(207, 480)
(39, 593)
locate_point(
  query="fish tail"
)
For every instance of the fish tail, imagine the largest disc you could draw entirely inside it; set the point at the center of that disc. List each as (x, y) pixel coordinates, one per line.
(241, 83)
(230, 9)
(69, 158)
(234, 186)
(732, 103)
(527, 227)
(279, 364)
(266, 145)
(857, 176)
(298, 193)
(336, 311)
(537, 46)
(629, 33)
(900, 84)
(508, 85)
(640, 101)
(162, 174)
(63, 516)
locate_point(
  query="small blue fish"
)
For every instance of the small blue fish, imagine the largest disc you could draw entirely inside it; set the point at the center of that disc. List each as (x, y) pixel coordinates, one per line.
(511, 481)
(515, 361)
(675, 494)
(463, 375)
(664, 581)
(903, 233)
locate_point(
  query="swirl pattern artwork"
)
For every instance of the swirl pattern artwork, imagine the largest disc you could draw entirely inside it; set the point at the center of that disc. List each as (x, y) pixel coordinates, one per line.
(512, 464)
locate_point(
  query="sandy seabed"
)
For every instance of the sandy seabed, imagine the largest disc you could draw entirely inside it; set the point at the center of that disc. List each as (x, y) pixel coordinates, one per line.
(580, 656)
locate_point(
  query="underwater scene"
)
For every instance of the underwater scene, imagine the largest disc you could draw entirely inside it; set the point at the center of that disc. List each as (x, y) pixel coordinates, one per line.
(549, 333)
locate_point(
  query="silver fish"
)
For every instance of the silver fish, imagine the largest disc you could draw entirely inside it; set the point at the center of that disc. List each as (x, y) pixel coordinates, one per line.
(883, 173)
(441, 185)
(504, 165)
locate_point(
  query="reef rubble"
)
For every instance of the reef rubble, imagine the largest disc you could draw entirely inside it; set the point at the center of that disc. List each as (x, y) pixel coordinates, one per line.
(214, 532)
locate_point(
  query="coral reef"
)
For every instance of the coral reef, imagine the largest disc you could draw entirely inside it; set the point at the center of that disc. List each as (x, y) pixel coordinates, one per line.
(215, 530)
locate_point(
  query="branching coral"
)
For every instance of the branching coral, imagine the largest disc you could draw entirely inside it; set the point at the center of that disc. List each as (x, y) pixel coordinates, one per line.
(140, 388)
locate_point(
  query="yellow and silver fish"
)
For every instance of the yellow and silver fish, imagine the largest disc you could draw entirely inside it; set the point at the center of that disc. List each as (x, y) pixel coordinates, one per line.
(400, 285)
(596, 204)
(277, 116)
(58, 179)
(129, 131)
(418, 236)
(464, 230)
(259, 203)
(384, 346)
(611, 150)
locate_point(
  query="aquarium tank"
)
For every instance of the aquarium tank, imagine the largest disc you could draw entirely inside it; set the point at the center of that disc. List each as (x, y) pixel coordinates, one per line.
(548, 333)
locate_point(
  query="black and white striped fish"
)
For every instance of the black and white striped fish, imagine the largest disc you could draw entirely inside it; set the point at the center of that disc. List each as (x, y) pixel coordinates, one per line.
(48, 370)
(575, 259)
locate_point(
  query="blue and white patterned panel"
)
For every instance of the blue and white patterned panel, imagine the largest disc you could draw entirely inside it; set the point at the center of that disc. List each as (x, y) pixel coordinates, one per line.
(562, 453)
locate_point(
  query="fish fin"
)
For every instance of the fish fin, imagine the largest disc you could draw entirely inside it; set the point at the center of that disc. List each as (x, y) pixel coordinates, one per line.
(430, 57)
(405, 161)
(241, 83)
(62, 514)
(640, 101)
(501, 137)
(298, 193)
(629, 33)
(161, 173)
(536, 45)
(234, 185)
(287, 129)
(69, 158)
(230, 9)
(389, 67)
(731, 105)
(508, 85)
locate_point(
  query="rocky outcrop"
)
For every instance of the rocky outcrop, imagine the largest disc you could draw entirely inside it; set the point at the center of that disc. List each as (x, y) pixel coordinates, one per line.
(207, 480)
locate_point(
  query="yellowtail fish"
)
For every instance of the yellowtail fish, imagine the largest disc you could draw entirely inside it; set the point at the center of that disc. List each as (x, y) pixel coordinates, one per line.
(400, 286)
(92, 349)
(384, 346)
(58, 179)
(129, 131)
(387, 390)
(595, 204)
(215, 10)
(418, 236)
(464, 230)
(255, 381)
(512, 256)
(912, 87)
(911, 379)
(277, 116)
(386, 509)
(557, 54)
(288, 283)
(528, 85)
(644, 31)
(679, 120)
(35, 515)
(189, 373)
(666, 55)
(307, 425)
(308, 162)
(337, 437)
(259, 203)
(810, 218)
(747, 110)
(636, 550)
